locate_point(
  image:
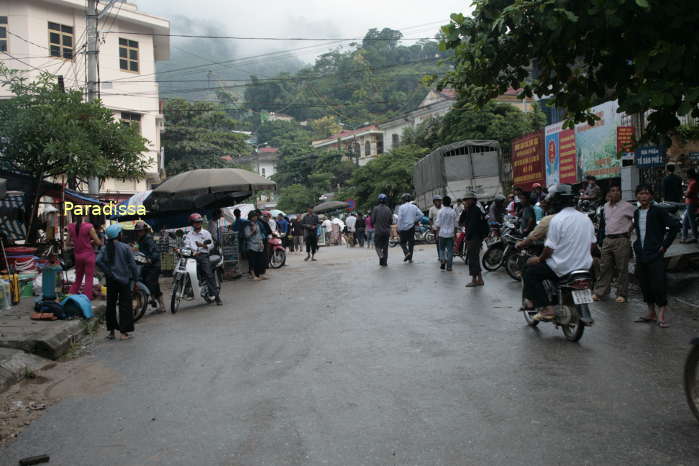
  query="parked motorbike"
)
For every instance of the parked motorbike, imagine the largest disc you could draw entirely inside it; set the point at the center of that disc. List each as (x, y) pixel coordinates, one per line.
(571, 296)
(187, 282)
(278, 258)
(141, 296)
(499, 245)
(423, 234)
(691, 374)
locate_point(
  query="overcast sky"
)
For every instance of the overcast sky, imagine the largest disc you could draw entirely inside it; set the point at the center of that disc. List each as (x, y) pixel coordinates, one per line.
(301, 18)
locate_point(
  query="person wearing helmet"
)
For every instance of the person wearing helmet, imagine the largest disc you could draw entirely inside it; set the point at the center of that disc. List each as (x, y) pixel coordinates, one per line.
(497, 210)
(568, 247)
(408, 216)
(196, 240)
(537, 195)
(117, 263)
(383, 219)
(592, 191)
(151, 271)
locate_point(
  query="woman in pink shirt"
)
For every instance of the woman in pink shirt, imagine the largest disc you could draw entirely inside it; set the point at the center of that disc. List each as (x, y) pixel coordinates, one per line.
(83, 236)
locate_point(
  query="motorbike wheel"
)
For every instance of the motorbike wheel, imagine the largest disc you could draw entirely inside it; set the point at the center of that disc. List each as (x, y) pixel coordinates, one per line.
(574, 330)
(278, 259)
(691, 373)
(175, 300)
(393, 243)
(513, 267)
(139, 304)
(529, 315)
(429, 237)
(492, 259)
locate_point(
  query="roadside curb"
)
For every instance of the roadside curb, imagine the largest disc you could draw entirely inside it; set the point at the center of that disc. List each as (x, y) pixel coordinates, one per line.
(46, 339)
(15, 365)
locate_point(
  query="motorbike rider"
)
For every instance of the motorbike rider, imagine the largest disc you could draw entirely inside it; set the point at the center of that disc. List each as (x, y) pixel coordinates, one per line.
(568, 247)
(195, 240)
(592, 191)
(150, 271)
(497, 210)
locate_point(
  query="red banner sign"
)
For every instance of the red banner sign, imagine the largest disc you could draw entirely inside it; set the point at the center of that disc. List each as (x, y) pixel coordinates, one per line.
(528, 160)
(568, 159)
(624, 139)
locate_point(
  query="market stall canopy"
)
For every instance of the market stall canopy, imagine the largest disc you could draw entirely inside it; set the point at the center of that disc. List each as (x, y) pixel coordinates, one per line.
(276, 212)
(214, 180)
(330, 205)
(206, 188)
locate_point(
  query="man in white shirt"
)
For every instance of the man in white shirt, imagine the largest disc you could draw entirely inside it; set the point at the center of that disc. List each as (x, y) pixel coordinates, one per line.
(408, 216)
(447, 227)
(351, 223)
(568, 248)
(196, 241)
(432, 214)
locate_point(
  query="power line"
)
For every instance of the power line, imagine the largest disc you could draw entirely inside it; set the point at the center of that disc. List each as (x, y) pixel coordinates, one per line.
(253, 57)
(26, 40)
(288, 39)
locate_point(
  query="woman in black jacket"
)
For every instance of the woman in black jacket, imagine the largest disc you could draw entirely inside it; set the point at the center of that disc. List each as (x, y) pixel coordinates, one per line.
(655, 232)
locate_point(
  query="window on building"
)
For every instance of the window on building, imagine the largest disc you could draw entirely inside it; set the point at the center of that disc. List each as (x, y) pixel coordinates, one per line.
(367, 149)
(379, 146)
(128, 55)
(395, 140)
(61, 41)
(3, 33)
(132, 119)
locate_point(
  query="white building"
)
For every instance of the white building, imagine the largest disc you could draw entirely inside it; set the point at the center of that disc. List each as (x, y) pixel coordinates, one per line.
(435, 104)
(361, 144)
(266, 159)
(50, 35)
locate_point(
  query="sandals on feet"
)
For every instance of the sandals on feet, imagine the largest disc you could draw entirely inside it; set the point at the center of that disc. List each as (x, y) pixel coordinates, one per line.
(663, 324)
(645, 320)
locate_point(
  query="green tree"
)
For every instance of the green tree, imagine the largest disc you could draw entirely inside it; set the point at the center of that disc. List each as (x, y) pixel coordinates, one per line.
(391, 174)
(197, 135)
(296, 198)
(47, 132)
(325, 127)
(581, 53)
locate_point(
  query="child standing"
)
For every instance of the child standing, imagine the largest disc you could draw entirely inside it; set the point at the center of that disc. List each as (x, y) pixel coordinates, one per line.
(116, 261)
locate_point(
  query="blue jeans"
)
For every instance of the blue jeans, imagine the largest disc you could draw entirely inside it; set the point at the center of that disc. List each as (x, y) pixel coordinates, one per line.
(446, 250)
(369, 238)
(689, 222)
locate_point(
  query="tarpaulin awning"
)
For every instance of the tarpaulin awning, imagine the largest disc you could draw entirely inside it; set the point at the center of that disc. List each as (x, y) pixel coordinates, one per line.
(12, 215)
(80, 198)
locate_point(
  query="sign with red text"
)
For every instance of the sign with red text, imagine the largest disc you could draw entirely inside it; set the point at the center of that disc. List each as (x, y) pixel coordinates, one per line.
(528, 160)
(624, 140)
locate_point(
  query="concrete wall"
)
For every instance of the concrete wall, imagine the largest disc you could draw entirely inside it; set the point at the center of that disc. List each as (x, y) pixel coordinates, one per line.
(29, 20)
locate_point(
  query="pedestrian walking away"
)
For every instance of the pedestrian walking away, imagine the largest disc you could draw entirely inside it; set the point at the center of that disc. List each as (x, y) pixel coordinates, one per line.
(656, 229)
(351, 224)
(361, 230)
(310, 223)
(692, 202)
(383, 220)
(254, 246)
(477, 229)
(408, 216)
(432, 214)
(672, 186)
(616, 224)
(447, 229)
(368, 221)
(84, 238)
(117, 263)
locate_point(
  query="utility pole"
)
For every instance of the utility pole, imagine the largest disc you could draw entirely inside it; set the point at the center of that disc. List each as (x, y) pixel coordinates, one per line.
(92, 59)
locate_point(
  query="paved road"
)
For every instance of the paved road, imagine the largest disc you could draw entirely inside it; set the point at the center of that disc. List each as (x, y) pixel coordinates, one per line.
(340, 362)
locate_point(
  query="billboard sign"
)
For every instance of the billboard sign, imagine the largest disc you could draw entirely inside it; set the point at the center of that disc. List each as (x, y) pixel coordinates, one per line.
(560, 156)
(528, 160)
(597, 144)
(650, 156)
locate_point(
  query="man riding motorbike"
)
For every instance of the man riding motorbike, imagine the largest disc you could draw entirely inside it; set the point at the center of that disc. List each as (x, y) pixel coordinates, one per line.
(568, 247)
(151, 271)
(196, 241)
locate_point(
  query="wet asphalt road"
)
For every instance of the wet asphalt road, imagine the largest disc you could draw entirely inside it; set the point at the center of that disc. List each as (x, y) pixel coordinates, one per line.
(341, 362)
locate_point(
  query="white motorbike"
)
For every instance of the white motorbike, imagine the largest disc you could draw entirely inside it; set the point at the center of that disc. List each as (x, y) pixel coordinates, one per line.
(188, 283)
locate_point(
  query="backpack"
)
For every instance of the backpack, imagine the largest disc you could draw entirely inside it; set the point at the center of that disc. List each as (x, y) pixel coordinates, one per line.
(50, 307)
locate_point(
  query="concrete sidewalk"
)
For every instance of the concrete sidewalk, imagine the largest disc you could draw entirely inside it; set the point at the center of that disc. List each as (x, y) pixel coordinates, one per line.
(28, 345)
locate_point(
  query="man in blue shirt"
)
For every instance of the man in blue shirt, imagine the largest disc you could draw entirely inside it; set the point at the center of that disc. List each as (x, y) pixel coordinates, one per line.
(283, 229)
(408, 215)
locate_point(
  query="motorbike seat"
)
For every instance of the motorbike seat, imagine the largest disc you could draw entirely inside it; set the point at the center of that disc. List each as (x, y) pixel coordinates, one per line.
(214, 258)
(576, 275)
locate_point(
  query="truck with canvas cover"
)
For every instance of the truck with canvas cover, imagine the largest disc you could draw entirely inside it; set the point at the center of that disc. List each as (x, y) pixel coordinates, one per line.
(454, 169)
